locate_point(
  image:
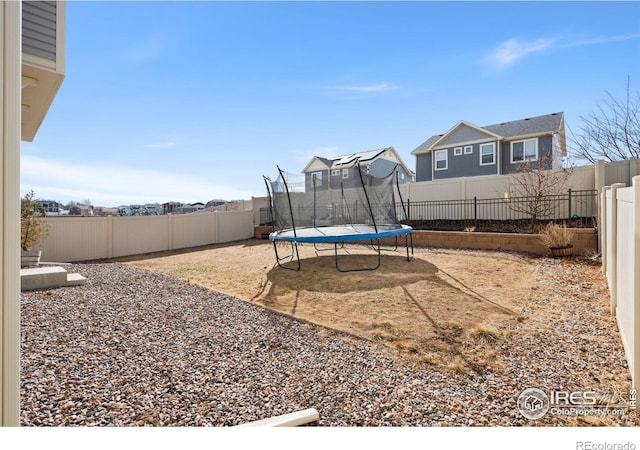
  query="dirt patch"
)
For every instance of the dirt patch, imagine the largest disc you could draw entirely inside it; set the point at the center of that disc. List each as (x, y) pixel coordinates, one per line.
(446, 308)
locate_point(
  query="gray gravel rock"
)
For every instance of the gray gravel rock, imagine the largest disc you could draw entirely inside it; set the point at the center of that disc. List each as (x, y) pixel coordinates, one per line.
(138, 348)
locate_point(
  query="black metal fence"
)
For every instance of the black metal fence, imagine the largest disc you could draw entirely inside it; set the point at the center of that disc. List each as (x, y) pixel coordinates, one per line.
(575, 208)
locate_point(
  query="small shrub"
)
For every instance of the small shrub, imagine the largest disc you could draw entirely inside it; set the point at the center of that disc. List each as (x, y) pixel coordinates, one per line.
(484, 335)
(32, 229)
(556, 236)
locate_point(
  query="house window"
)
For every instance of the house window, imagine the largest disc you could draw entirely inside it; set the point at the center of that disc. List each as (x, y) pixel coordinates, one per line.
(441, 159)
(345, 173)
(317, 178)
(468, 149)
(487, 154)
(335, 172)
(524, 150)
(457, 151)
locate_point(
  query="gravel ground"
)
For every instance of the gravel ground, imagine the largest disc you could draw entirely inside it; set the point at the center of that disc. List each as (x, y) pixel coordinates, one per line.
(137, 348)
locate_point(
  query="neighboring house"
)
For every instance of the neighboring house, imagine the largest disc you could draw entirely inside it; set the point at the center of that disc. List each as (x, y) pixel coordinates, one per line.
(331, 173)
(215, 202)
(468, 150)
(152, 209)
(170, 207)
(85, 210)
(188, 209)
(105, 211)
(53, 208)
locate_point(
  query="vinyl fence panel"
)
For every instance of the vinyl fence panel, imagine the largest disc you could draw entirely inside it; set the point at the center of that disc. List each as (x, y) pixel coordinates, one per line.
(622, 266)
(87, 238)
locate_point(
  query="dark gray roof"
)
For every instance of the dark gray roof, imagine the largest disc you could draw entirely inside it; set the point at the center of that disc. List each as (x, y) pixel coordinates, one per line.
(523, 127)
(533, 125)
(426, 145)
(325, 161)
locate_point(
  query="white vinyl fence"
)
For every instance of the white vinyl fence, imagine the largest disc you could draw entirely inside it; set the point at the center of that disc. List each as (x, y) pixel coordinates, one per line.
(582, 178)
(620, 211)
(87, 238)
(489, 186)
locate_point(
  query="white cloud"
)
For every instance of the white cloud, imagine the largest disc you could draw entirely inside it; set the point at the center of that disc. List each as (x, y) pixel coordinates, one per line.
(600, 40)
(113, 185)
(513, 50)
(367, 88)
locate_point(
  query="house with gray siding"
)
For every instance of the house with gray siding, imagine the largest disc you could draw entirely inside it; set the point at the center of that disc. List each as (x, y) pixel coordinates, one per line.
(342, 171)
(467, 150)
(43, 37)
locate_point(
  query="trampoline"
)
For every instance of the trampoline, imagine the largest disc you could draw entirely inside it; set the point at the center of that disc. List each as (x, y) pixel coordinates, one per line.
(310, 209)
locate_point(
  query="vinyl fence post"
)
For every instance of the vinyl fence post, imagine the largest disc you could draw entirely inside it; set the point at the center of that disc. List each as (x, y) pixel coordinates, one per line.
(110, 236)
(569, 218)
(170, 231)
(603, 228)
(613, 251)
(635, 321)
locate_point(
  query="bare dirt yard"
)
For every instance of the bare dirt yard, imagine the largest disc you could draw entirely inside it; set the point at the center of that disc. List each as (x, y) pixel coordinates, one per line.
(448, 309)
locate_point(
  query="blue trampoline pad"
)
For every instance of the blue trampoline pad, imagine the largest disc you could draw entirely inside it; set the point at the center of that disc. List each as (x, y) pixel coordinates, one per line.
(339, 233)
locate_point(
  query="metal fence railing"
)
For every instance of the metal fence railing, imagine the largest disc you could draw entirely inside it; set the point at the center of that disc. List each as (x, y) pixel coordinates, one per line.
(577, 208)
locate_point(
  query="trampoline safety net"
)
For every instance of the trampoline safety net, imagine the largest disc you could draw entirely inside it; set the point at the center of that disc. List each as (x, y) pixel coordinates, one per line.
(306, 208)
(299, 201)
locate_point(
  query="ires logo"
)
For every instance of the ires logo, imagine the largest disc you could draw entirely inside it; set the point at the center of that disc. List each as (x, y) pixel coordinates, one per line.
(575, 398)
(535, 403)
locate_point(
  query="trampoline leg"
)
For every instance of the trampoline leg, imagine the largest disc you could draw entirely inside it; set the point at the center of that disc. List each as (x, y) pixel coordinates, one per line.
(294, 245)
(408, 238)
(356, 270)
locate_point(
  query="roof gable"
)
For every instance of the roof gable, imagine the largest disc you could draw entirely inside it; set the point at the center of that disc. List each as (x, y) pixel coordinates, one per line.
(465, 132)
(365, 158)
(317, 163)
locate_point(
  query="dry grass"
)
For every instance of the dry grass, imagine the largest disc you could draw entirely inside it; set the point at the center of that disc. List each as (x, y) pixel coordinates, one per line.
(556, 236)
(447, 309)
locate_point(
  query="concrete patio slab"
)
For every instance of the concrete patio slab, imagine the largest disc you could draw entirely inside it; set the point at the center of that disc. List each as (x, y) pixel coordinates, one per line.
(48, 277)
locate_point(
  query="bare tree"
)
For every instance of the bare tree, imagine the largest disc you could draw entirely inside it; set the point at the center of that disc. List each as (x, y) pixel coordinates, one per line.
(534, 186)
(612, 132)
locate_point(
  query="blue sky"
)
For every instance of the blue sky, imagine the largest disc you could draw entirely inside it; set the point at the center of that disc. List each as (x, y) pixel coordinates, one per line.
(191, 101)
